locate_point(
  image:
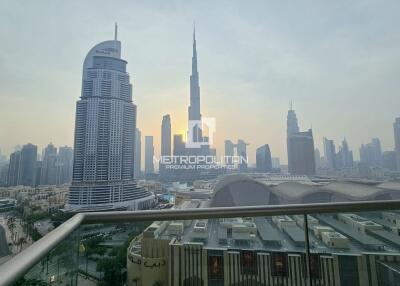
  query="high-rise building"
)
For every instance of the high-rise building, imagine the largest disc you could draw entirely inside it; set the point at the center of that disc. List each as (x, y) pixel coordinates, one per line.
(346, 155)
(276, 163)
(301, 159)
(371, 153)
(317, 156)
(138, 154)
(149, 155)
(292, 127)
(49, 166)
(292, 124)
(3, 174)
(396, 128)
(329, 153)
(165, 144)
(166, 136)
(64, 165)
(105, 125)
(377, 151)
(194, 107)
(389, 160)
(300, 147)
(229, 152)
(13, 168)
(179, 145)
(27, 165)
(241, 149)
(263, 159)
(38, 173)
(2, 157)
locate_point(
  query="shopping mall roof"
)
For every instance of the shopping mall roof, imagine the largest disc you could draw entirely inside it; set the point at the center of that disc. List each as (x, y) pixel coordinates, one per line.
(243, 190)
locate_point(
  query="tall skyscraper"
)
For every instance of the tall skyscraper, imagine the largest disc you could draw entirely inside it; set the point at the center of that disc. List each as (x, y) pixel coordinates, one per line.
(27, 165)
(346, 155)
(179, 145)
(301, 149)
(229, 152)
(2, 157)
(64, 165)
(3, 174)
(166, 136)
(317, 156)
(105, 125)
(263, 159)
(49, 166)
(165, 144)
(329, 153)
(389, 160)
(194, 107)
(396, 128)
(149, 155)
(371, 153)
(292, 126)
(38, 176)
(13, 168)
(138, 153)
(241, 149)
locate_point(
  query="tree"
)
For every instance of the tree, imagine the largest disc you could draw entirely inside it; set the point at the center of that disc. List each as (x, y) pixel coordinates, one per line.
(11, 226)
(21, 241)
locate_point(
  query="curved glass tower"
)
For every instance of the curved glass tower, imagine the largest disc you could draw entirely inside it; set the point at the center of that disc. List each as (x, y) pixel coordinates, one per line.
(105, 124)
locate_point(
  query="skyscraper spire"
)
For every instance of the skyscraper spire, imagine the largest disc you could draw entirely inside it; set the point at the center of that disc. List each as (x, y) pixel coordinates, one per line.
(194, 107)
(115, 31)
(194, 57)
(194, 31)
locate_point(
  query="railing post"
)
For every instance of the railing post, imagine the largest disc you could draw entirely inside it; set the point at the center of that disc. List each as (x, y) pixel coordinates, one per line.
(307, 241)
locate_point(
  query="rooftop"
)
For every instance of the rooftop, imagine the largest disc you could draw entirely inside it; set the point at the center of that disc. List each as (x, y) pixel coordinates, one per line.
(285, 233)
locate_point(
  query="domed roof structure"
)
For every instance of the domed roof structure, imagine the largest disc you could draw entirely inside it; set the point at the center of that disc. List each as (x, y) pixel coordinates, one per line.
(244, 190)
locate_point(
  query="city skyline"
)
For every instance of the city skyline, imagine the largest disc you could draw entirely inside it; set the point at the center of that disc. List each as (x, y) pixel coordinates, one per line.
(224, 84)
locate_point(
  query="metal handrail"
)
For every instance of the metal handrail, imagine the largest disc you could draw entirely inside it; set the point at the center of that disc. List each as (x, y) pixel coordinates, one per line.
(20, 264)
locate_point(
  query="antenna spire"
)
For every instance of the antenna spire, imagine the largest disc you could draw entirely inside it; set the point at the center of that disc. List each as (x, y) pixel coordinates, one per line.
(115, 31)
(194, 31)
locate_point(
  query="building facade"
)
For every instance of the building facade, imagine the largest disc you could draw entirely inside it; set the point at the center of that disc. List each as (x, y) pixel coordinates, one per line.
(49, 166)
(329, 153)
(13, 168)
(396, 129)
(64, 165)
(165, 145)
(138, 153)
(300, 147)
(251, 251)
(301, 153)
(27, 166)
(103, 168)
(371, 153)
(149, 155)
(263, 159)
(166, 136)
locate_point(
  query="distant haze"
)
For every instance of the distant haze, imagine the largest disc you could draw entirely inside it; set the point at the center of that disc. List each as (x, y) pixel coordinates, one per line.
(338, 61)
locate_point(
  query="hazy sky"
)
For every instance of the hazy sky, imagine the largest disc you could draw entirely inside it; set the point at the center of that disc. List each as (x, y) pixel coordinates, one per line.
(339, 61)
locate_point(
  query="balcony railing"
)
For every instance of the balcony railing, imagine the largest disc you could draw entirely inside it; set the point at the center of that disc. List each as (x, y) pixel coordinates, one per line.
(23, 263)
